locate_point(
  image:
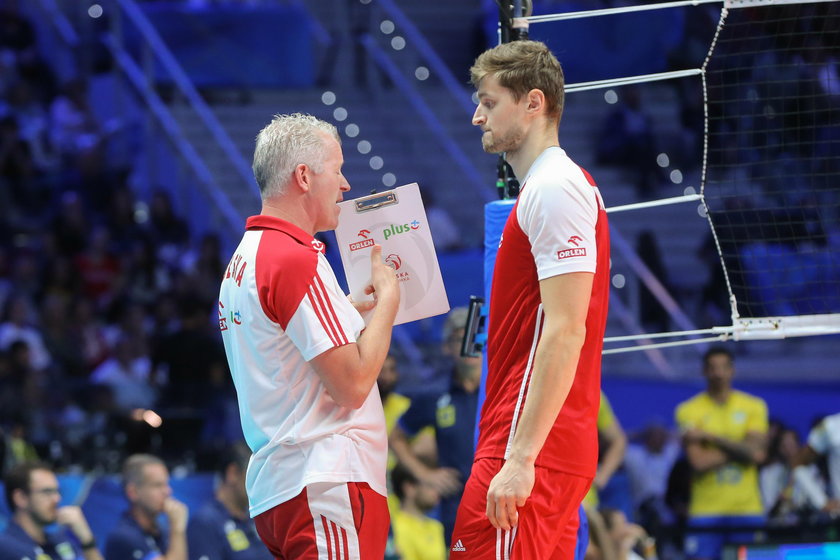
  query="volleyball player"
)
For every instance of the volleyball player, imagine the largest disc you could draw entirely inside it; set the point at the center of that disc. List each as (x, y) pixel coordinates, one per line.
(537, 449)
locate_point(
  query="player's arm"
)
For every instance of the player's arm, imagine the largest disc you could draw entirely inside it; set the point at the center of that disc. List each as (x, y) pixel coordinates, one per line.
(444, 480)
(753, 448)
(349, 371)
(565, 300)
(177, 515)
(702, 458)
(73, 518)
(616, 446)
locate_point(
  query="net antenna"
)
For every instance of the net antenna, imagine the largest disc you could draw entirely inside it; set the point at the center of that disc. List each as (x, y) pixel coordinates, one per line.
(770, 174)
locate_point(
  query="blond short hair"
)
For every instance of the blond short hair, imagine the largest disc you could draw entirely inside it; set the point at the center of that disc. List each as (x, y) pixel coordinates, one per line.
(286, 142)
(521, 66)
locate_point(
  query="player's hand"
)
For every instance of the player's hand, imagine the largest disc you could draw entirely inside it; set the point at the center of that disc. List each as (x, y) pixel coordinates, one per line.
(73, 518)
(508, 491)
(384, 285)
(600, 480)
(177, 514)
(445, 480)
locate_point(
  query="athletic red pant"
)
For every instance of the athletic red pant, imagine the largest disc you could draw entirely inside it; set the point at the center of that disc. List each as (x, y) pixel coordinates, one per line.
(327, 521)
(548, 521)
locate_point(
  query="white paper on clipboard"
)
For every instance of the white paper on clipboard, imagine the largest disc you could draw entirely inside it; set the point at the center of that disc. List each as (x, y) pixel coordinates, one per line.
(396, 220)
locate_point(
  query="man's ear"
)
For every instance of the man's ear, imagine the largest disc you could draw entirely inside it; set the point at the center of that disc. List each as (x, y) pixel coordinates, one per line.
(536, 101)
(19, 498)
(131, 491)
(302, 177)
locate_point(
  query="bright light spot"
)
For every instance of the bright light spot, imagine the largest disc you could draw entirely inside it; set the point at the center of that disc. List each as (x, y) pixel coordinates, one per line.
(95, 11)
(340, 114)
(676, 176)
(152, 418)
(663, 160)
(619, 281)
(387, 26)
(141, 212)
(376, 162)
(398, 43)
(701, 209)
(352, 130)
(475, 98)
(363, 147)
(389, 179)
(422, 73)
(611, 97)
(328, 98)
(365, 1)
(689, 190)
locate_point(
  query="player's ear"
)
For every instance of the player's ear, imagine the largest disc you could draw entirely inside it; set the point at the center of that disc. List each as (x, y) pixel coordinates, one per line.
(536, 101)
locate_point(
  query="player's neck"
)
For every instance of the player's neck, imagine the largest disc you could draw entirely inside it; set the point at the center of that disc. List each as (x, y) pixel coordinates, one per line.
(719, 394)
(538, 140)
(226, 498)
(31, 527)
(146, 522)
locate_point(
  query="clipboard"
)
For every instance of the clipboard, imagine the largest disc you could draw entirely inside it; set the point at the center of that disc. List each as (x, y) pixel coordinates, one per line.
(396, 220)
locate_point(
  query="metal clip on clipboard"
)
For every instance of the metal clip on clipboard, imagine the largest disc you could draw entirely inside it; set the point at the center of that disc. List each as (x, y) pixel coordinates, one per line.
(375, 201)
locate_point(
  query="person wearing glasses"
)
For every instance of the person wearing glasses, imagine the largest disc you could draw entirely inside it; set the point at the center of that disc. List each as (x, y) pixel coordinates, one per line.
(32, 495)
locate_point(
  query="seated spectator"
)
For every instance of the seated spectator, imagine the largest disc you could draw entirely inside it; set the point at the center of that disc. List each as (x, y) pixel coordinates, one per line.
(128, 373)
(32, 495)
(610, 485)
(648, 465)
(416, 535)
(222, 529)
(138, 533)
(824, 440)
(452, 414)
(19, 324)
(629, 540)
(787, 487)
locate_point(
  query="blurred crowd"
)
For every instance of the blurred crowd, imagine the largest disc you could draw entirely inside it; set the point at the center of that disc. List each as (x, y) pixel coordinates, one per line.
(107, 318)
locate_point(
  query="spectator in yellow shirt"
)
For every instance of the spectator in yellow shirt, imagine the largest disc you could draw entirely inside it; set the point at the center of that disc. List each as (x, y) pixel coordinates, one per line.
(724, 435)
(416, 535)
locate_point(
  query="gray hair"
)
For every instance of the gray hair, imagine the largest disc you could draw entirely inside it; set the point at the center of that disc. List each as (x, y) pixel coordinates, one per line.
(457, 319)
(133, 471)
(284, 143)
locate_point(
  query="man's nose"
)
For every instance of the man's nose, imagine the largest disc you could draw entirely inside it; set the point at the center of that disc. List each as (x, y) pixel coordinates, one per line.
(478, 117)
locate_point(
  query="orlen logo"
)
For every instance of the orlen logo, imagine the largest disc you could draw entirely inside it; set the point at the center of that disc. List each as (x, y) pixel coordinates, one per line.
(365, 242)
(576, 252)
(574, 240)
(362, 244)
(395, 229)
(394, 261)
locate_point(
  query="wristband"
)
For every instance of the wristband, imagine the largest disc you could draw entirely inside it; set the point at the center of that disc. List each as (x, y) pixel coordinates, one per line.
(88, 545)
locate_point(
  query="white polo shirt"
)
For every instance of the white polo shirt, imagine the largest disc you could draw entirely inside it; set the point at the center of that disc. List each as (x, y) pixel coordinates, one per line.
(279, 307)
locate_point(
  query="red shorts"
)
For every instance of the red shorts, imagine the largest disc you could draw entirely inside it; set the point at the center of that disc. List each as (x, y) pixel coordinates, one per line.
(548, 521)
(327, 521)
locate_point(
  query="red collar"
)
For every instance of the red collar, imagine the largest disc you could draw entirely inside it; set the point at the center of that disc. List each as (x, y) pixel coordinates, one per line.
(262, 222)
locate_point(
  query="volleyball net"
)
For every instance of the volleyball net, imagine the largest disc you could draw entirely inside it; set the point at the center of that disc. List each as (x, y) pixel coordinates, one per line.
(770, 170)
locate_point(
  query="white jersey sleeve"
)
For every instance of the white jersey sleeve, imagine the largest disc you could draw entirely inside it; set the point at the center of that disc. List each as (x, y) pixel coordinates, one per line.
(324, 319)
(558, 211)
